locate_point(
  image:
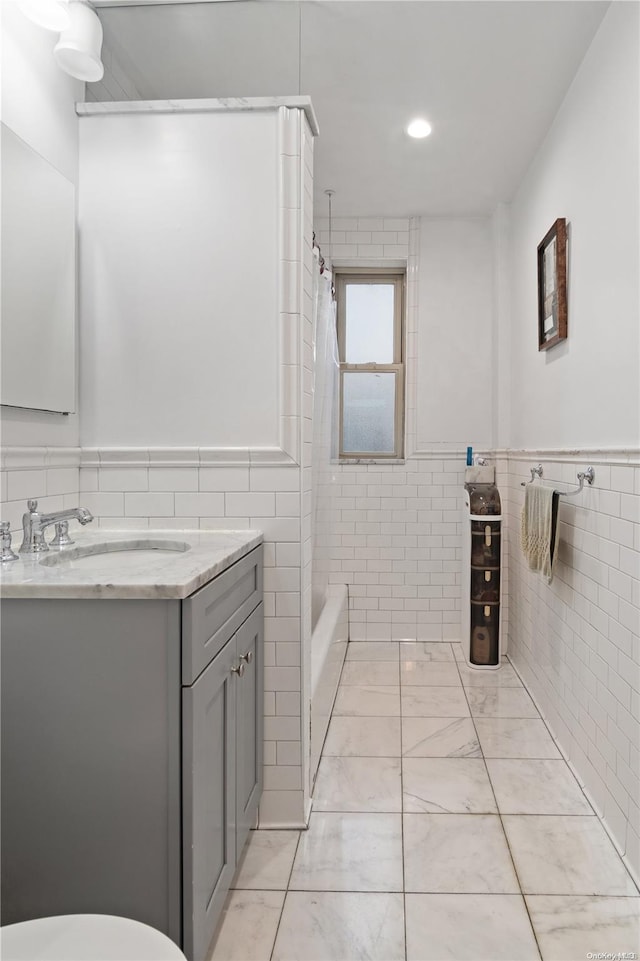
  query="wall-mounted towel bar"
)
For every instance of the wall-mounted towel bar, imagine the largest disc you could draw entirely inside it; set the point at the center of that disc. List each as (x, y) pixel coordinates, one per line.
(588, 475)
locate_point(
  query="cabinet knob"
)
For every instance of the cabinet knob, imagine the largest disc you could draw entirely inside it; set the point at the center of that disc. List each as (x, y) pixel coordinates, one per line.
(247, 658)
(239, 670)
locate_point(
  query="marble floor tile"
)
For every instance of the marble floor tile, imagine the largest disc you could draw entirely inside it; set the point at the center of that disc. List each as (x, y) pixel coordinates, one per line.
(450, 785)
(267, 860)
(373, 651)
(457, 854)
(345, 926)
(505, 676)
(469, 927)
(500, 702)
(349, 852)
(565, 855)
(367, 701)
(536, 787)
(515, 737)
(426, 651)
(429, 674)
(434, 702)
(439, 737)
(568, 928)
(248, 926)
(361, 673)
(358, 784)
(363, 737)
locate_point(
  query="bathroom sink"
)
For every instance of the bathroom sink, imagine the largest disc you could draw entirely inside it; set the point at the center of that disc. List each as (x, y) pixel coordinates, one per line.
(110, 555)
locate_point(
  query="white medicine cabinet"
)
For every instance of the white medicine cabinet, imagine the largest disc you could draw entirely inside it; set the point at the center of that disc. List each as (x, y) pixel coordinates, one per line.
(38, 309)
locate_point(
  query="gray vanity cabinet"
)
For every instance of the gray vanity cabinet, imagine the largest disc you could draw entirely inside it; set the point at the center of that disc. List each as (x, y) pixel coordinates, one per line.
(129, 784)
(222, 776)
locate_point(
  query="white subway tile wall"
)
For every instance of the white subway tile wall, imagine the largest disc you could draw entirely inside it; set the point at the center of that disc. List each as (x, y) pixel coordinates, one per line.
(355, 239)
(576, 641)
(392, 531)
(49, 475)
(396, 543)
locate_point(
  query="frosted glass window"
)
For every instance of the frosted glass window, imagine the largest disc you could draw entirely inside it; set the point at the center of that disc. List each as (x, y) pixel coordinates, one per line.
(370, 310)
(369, 328)
(368, 412)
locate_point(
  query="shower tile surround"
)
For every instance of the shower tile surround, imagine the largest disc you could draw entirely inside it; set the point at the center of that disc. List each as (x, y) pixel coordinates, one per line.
(431, 856)
(392, 531)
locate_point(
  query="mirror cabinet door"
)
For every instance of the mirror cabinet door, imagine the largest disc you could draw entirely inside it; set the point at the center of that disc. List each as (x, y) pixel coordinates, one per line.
(38, 332)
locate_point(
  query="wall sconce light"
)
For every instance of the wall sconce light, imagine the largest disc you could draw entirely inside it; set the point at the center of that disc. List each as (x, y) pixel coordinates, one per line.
(77, 52)
(50, 14)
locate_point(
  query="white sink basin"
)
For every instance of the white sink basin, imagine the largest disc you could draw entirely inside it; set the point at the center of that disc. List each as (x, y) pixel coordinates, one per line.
(109, 555)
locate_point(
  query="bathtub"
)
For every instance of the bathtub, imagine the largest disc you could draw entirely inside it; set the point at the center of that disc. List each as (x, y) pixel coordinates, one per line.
(328, 649)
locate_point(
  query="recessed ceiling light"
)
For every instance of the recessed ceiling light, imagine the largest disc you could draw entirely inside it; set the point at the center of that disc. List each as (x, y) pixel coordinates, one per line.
(419, 129)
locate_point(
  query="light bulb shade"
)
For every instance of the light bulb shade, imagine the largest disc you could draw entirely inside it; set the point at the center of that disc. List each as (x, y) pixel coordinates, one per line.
(50, 14)
(77, 52)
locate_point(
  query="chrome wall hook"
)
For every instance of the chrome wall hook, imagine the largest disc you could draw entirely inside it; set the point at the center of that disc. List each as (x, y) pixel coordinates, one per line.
(535, 472)
(588, 475)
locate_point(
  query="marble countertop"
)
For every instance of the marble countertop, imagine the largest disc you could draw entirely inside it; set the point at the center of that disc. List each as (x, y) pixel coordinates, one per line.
(168, 564)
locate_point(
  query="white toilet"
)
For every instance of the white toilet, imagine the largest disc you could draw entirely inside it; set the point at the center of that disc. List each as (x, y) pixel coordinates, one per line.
(85, 937)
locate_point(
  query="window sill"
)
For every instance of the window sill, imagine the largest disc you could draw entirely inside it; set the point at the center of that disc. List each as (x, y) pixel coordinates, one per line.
(359, 461)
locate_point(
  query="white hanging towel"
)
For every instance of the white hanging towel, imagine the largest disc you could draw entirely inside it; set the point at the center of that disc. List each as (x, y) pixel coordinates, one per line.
(538, 528)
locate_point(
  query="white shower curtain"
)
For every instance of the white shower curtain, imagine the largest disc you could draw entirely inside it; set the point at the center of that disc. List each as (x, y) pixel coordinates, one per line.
(325, 435)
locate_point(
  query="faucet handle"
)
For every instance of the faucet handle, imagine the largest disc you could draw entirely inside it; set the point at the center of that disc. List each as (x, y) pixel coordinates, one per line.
(33, 506)
(5, 543)
(62, 538)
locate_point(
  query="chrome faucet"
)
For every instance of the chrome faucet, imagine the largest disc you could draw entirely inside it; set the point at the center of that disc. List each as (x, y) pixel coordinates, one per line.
(35, 524)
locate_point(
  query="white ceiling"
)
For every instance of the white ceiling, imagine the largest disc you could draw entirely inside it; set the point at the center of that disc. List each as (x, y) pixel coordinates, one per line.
(488, 74)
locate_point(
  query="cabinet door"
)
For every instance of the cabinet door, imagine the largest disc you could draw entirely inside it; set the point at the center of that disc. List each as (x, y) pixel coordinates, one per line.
(90, 726)
(209, 735)
(249, 714)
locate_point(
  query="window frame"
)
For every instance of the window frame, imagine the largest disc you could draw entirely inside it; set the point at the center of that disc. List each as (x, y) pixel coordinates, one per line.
(386, 276)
